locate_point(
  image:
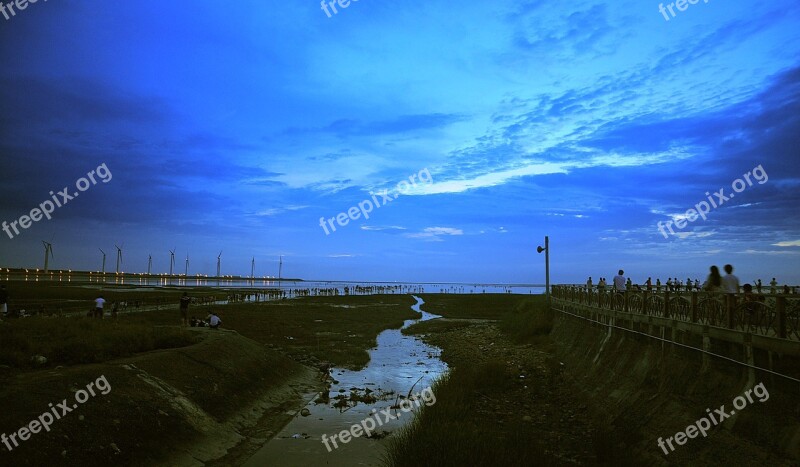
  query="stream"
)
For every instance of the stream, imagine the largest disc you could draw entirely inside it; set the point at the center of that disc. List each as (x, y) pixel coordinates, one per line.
(399, 365)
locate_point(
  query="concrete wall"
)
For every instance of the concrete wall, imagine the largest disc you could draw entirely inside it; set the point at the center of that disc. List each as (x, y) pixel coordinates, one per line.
(648, 385)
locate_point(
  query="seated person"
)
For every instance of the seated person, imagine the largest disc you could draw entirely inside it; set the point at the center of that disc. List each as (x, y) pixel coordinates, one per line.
(213, 320)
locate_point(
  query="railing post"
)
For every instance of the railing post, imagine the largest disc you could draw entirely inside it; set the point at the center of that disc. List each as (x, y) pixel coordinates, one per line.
(730, 304)
(646, 295)
(666, 304)
(625, 299)
(780, 310)
(694, 307)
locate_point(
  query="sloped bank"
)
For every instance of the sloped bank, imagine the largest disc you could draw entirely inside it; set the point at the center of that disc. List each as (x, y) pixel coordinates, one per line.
(649, 389)
(187, 406)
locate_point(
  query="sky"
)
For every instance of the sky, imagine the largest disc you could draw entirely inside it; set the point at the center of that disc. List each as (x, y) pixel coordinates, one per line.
(254, 128)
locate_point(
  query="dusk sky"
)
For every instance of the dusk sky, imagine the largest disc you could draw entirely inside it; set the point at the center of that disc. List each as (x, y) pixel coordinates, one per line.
(237, 126)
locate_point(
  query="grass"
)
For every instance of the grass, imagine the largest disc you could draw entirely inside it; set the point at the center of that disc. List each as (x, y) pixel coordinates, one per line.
(459, 429)
(452, 433)
(522, 319)
(528, 322)
(339, 329)
(82, 340)
(53, 296)
(434, 326)
(472, 306)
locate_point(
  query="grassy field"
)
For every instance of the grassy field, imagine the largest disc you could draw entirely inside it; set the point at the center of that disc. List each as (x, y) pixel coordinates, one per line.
(338, 330)
(496, 406)
(70, 341)
(473, 306)
(217, 374)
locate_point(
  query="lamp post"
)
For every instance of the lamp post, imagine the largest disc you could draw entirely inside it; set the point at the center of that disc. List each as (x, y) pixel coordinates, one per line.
(546, 250)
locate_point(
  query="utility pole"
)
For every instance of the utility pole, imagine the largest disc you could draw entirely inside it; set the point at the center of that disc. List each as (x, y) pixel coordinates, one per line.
(546, 250)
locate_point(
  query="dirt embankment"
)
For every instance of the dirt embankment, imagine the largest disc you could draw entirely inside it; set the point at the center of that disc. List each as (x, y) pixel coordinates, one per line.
(211, 403)
(647, 390)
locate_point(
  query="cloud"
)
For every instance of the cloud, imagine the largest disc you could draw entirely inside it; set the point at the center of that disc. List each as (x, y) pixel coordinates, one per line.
(787, 243)
(402, 124)
(434, 233)
(379, 228)
(280, 210)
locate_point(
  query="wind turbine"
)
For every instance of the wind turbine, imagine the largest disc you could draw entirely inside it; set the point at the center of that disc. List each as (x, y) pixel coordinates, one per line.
(253, 268)
(119, 256)
(280, 270)
(219, 258)
(48, 253)
(171, 260)
(149, 264)
(187, 265)
(104, 260)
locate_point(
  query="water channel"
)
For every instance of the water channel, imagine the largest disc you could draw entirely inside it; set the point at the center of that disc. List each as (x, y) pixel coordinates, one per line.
(399, 365)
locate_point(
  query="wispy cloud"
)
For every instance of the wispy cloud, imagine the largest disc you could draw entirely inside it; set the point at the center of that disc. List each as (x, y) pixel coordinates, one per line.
(279, 210)
(787, 243)
(435, 233)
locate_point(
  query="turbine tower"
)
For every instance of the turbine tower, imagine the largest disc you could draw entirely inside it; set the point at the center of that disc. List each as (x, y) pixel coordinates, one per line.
(280, 270)
(119, 256)
(171, 260)
(219, 259)
(186, 273)
(48, 253)
(104, 261)
(149, 264)
(253, 269)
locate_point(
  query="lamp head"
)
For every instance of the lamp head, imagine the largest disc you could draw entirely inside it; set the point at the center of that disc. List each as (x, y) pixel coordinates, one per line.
(539, 249)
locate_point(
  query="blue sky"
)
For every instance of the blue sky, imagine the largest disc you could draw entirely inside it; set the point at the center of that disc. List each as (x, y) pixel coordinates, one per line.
(238, 126)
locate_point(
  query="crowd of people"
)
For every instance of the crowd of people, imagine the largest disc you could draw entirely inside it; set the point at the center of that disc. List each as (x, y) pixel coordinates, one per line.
(714, 283)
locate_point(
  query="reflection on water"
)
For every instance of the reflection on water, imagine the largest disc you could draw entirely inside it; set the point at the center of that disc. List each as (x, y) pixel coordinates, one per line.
(398, 365)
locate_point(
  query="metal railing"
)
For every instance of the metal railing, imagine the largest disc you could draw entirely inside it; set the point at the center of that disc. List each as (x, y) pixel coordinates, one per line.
(773, 315)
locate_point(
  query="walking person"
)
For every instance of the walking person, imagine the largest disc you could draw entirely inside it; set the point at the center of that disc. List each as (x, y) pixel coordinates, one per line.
(730, 283)
(619, 282)
(185, 300)
(98, 307)
(713, 283)
(773, 286)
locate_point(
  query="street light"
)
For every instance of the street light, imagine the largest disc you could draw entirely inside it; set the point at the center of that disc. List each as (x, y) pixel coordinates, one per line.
(546, 250)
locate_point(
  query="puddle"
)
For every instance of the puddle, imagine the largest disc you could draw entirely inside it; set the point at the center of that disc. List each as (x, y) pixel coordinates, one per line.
(398, 365)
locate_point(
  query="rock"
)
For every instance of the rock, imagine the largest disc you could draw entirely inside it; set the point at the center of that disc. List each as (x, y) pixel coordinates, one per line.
(39, 359)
